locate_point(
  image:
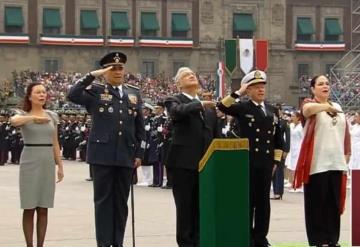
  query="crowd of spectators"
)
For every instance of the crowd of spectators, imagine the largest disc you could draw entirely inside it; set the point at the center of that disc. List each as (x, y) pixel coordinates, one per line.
(344, 89)
(347, 91)
(59, 83)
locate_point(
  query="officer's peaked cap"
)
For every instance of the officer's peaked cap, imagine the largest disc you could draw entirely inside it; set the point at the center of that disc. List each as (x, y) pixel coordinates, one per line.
(254, 77)
(113, 58)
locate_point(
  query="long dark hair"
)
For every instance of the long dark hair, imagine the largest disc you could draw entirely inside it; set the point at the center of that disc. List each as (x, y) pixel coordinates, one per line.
(27, 102)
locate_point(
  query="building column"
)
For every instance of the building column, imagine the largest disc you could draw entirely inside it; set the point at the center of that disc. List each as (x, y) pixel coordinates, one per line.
(70, 17)
(33, 21)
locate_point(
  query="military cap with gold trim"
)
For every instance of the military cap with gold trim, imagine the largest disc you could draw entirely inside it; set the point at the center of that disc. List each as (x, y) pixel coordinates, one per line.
(112, 59)
(254, 77)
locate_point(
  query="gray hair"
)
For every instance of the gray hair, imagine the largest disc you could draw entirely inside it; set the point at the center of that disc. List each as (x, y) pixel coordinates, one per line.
(180, 73)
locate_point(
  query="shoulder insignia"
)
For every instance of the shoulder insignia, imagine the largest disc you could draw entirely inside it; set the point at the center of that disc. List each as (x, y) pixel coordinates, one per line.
(95, 85)
(98, 84)
(131, 86)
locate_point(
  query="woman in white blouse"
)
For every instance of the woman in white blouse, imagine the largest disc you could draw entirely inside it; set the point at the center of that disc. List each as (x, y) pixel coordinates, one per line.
(322, 165)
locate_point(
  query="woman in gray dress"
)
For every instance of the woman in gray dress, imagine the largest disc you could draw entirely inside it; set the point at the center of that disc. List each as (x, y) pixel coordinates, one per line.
(37, 163)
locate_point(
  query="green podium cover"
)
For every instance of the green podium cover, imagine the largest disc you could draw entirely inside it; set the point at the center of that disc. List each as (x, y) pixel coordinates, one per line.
(224, 194)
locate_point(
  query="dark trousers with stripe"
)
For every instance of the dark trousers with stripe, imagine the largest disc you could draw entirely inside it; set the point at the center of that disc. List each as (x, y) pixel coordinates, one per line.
(186, 195)
(278, 179)
(322, 207)
(260, 183)
(111, 193)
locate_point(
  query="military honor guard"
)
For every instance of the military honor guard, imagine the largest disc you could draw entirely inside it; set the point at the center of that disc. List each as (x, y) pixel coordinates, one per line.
(16, 145)
(259, 122)
(167, 137)
(194, 126)
(116, 143)
(150, 150)
(4, 138)
(158, 123)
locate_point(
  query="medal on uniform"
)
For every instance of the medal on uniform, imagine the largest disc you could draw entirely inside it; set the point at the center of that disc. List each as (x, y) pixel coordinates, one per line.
(106, 90)
(101, 109)
(110, 109)
(135, 113)
(106, 96)
(130, 111)
(250, 124)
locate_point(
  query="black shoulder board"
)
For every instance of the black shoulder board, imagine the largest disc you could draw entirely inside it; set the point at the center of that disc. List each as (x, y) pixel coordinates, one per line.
(132, 86)
(98, 84)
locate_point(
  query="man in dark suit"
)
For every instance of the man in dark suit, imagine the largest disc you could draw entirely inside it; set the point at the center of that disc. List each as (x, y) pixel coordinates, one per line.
(259, 122)
(194, 126)
(116, 143)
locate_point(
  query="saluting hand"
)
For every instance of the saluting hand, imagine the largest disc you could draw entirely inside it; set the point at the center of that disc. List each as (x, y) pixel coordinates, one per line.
(41, 120)
(242, 90)
(100, 72)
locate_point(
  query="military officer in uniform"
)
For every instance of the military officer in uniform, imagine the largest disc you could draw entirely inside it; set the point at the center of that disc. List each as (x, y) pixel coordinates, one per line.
(258, 121)
(116, 143)
(158, 123)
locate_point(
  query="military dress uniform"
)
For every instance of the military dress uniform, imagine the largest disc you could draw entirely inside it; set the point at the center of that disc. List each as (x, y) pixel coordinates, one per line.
(116, 138)
(72, 137)
(16, 145)
(167, 135)
(84, 134)
(150, 150)
(261, 127)
(158, 167)
(4, 140)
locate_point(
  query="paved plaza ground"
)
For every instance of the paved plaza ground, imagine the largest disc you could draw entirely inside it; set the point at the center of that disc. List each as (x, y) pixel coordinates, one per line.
(71, 222)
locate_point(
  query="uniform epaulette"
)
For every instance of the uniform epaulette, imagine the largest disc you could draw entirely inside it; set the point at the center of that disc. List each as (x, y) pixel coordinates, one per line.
(95, 85)
(98, 84)
(132, 86)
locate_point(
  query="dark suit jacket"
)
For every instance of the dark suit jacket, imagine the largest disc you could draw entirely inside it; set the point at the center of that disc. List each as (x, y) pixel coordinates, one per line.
(193, 130)
(117, 134)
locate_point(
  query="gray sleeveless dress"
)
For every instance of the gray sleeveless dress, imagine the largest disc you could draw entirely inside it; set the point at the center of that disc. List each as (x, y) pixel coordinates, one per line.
(37, 164)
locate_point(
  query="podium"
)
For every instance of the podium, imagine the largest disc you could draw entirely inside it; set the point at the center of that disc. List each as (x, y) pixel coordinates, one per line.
(224, 194)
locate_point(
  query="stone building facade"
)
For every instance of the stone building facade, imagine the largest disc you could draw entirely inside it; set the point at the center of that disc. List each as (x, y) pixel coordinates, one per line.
(160, 36)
